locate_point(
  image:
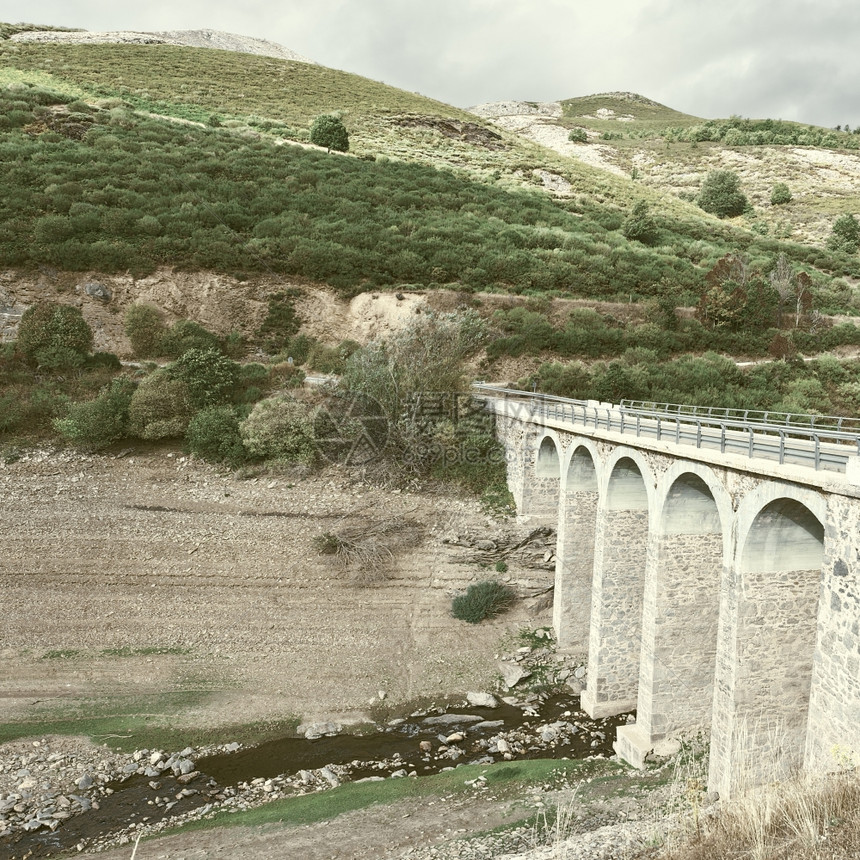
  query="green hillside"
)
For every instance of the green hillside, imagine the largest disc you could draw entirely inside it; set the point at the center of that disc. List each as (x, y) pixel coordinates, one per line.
(195, 83)
(131, 158)
(637, 112)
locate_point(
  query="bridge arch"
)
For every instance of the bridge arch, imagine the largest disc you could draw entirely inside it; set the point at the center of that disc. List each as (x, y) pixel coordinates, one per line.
(577, 522)
(621, 543)
(770, 629)
(548, 457)
(688, 551)
(543, 457)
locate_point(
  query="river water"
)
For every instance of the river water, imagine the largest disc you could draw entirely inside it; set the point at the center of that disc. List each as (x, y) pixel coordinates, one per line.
(554, 729)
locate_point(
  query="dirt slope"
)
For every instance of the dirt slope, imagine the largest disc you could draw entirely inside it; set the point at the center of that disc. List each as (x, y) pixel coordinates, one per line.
(150, 576)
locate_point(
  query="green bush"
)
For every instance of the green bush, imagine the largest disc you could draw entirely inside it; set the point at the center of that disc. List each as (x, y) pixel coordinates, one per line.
(184, 335)
(280, 428)
(780, 194)
(55, 336)
(845, 235)
(299, 347)
(721, 194)
(482, 600)
(146, 330)
(97, 423)
(213, 435)
(104, 360)
(208, 376)
(640, 225)
(330, 132)
(281, 322)
(331, 359)
(577, 135)
(160, 407)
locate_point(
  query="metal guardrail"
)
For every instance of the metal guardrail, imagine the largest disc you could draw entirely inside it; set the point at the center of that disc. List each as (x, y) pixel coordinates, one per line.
(794, 443)
(759, 416)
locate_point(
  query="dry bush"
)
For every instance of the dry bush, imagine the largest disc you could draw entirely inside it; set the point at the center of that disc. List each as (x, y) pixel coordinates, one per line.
(364, 552)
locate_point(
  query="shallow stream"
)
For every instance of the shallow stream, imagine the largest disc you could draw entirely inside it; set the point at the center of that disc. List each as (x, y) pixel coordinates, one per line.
(553, 729)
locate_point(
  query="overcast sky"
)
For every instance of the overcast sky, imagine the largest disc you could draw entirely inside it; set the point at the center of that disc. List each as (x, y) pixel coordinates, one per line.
(788, 59)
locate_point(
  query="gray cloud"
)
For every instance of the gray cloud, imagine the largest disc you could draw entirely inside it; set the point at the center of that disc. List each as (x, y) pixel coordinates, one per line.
(789, 59)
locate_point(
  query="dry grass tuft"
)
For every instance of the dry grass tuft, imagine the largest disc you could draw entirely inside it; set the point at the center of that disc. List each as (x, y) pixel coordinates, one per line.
(804, 818)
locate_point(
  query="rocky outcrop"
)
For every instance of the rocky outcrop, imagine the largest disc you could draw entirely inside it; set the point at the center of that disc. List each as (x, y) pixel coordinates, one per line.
(189, 38)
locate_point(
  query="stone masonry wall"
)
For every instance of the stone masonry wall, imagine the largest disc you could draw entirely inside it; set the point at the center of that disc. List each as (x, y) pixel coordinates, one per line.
(575, 569)
(616, 610)
(679, 634)
(776, 633)
(833, 737)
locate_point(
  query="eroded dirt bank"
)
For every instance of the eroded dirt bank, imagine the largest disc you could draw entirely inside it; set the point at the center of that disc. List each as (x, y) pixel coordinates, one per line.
(125, 580)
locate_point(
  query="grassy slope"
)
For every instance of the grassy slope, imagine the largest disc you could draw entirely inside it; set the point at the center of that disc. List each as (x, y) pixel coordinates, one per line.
(261, 91)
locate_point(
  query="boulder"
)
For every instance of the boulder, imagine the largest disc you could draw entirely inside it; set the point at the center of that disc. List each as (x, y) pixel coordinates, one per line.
(482, 700)
(512, 674)
(97, 291)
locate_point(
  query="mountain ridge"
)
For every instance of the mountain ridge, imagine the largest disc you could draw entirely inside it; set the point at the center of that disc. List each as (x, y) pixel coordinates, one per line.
(203, 38)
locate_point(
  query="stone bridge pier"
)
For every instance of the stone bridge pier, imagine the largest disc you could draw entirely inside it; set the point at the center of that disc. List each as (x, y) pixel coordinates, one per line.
(716, 594)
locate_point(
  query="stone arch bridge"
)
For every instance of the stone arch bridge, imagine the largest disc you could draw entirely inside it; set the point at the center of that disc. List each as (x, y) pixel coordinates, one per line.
(710, 565)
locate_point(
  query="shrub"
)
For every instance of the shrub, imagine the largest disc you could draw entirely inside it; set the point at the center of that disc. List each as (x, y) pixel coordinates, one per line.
(721, 194)
(780, 194)
(184, 335)
(208, 376)
(280, 428)
(160, 408)
(299, 347)
(234, 345)
(482, 600)
(145, 329)
(331, 359)
(54, 335)
(640, 225)
(104, 360)
(280, 324)
(845, 235)
(577, 135)
(329, 131)
(213, 434)
(96, 423)
(327, 543)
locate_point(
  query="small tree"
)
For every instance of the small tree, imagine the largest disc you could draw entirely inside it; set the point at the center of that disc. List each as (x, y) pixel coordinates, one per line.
(640, 225)
(54, 335)
(721, 194)
(329, 131)
(780, 194)
(845, 235)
